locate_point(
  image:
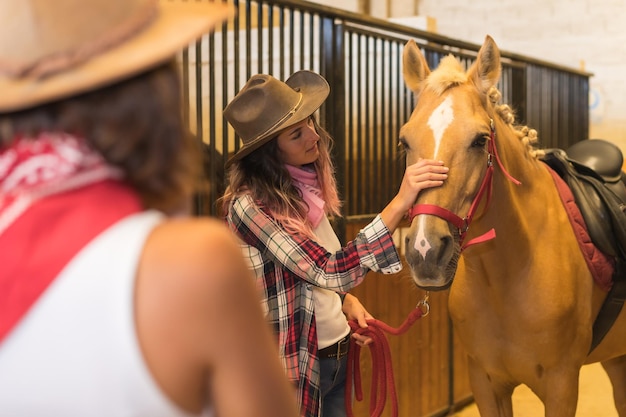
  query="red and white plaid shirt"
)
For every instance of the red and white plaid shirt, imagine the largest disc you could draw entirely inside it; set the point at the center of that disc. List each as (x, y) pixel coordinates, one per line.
(287, 267)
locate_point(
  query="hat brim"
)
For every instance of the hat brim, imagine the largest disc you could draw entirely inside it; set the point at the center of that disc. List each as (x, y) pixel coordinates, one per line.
(175, 27)
(314, 92)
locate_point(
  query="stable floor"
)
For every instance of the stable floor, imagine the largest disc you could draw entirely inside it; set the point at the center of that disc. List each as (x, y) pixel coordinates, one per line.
(595, 399)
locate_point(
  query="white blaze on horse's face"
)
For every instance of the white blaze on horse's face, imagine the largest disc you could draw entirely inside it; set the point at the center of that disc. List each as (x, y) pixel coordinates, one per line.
(438, 122)
(422, 245)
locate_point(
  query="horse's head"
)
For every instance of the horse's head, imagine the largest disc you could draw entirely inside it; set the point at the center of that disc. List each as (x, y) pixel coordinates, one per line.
(452, 122)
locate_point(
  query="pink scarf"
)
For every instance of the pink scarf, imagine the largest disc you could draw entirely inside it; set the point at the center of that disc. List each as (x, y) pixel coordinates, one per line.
(307, 183)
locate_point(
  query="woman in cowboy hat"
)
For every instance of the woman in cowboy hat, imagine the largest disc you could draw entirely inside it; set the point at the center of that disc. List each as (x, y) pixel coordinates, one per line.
(280, 192)
(108, 307)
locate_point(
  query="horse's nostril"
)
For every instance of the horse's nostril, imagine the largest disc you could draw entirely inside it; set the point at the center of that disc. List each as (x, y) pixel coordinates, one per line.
(445, 251)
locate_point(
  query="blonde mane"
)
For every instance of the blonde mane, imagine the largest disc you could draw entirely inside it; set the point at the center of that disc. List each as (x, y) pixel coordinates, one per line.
(525, 134)
(448, 74)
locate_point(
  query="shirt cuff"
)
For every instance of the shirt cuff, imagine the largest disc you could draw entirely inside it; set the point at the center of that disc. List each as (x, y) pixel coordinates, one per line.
(382, 246)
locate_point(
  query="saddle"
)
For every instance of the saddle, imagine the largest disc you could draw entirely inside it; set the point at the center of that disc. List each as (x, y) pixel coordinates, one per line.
(593, 171)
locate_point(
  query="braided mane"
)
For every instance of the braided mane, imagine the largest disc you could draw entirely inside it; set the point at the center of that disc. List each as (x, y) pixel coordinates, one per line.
(525, 134)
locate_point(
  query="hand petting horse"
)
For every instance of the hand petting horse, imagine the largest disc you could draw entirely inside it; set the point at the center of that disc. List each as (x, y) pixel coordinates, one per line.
(524, 291)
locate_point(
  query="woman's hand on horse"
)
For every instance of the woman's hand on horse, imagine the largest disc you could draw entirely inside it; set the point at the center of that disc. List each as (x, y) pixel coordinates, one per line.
(425, 173)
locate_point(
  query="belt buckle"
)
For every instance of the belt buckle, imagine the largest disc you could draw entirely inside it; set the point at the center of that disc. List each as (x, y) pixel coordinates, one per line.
(341, 342)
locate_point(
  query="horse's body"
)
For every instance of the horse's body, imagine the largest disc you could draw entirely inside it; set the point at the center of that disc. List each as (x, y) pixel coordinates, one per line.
(522, 304)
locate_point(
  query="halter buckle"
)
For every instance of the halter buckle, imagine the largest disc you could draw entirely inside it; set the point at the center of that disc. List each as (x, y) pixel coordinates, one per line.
(423, 304)
(466, 225)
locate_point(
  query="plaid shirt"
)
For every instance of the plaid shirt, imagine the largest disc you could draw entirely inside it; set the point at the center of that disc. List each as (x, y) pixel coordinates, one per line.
(287, 267)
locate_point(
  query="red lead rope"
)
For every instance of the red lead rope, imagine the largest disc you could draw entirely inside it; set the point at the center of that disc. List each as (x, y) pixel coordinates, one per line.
(382, 370)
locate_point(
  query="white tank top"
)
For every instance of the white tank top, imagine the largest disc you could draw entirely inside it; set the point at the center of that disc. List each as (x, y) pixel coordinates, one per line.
(332, 325)
(75, 352)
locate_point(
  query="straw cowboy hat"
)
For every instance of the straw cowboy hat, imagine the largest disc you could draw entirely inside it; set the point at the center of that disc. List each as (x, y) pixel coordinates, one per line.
(265, 106)
(53, 49)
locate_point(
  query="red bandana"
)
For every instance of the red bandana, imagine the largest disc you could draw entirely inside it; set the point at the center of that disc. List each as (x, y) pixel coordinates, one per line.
(55, 196)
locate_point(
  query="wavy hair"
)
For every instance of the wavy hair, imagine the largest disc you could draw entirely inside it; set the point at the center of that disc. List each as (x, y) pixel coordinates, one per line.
(263, 175)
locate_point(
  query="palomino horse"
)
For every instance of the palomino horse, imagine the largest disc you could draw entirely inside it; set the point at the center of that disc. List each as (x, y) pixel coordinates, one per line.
(522, 303)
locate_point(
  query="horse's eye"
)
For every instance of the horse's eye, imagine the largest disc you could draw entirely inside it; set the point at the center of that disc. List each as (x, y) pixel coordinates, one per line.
(403, 145)
(479, 141)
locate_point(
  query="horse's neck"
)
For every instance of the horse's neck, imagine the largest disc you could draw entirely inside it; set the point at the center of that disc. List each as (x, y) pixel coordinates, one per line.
(535, 253)
(521, 214)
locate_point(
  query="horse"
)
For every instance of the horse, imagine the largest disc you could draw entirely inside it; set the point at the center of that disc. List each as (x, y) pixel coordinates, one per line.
(522, 298)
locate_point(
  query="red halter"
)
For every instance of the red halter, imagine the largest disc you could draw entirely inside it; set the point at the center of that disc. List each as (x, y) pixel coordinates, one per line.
(462, 224)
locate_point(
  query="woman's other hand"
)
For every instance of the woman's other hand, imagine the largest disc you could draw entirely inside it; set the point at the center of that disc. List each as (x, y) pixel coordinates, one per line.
(354, 310)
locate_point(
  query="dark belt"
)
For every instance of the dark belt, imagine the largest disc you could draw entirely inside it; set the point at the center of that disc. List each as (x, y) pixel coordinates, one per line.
(335, 351)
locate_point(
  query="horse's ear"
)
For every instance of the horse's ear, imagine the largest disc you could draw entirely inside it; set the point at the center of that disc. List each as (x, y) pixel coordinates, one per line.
(485, 72)
(414, 66)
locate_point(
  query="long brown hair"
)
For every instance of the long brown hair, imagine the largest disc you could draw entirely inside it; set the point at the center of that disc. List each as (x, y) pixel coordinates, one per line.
(263, 175)
(135, 125)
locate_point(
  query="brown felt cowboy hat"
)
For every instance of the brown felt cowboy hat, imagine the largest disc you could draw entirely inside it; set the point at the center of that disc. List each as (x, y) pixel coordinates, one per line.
(265, 106)
(53, 49)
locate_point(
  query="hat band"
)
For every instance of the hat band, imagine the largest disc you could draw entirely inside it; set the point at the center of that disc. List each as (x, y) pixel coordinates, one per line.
(280, 121)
